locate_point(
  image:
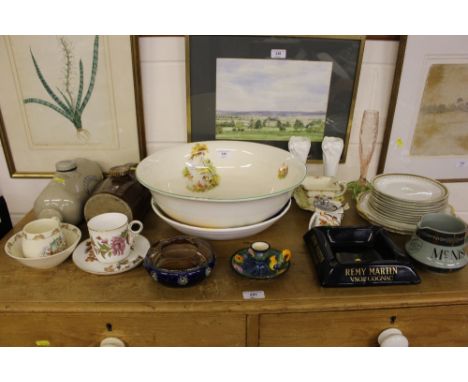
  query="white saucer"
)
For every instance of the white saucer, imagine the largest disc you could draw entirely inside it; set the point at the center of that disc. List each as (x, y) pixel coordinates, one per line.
(84, 258)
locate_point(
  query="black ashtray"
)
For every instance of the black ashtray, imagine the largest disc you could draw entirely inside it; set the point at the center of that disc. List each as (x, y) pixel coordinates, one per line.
(358, 256)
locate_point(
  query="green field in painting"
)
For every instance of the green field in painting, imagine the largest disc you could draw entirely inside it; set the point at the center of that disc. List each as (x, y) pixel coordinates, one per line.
(265, 127)
(253, 135)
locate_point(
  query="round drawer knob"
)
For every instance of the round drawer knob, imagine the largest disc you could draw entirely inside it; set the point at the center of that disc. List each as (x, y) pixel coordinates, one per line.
(112, 342)
(392, 338)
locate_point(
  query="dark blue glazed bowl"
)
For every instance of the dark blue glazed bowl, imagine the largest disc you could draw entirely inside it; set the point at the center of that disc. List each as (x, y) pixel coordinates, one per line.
(180, 261)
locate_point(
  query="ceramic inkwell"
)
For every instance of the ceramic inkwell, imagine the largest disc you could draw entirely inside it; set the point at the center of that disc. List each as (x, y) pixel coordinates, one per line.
(260, 261)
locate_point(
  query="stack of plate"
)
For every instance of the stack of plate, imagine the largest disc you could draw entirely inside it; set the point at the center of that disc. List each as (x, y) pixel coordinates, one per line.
(398, 201)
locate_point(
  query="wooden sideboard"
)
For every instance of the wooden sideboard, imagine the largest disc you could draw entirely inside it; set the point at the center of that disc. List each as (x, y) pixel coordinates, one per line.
(65, 306)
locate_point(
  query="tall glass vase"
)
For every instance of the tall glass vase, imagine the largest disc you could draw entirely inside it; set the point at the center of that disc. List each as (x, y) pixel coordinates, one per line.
(367, 141)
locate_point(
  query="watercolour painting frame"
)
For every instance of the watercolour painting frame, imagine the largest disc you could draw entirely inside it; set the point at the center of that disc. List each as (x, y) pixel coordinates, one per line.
(420, 107)
(202, 55)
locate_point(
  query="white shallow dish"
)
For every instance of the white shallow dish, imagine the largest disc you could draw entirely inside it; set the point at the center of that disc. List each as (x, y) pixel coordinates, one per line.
(221, 233)
(84, 258)
(250, 186)
(410, 188)
(72, 237)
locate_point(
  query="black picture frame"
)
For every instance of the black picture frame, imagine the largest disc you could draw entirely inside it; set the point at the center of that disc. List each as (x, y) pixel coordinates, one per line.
(202, 52)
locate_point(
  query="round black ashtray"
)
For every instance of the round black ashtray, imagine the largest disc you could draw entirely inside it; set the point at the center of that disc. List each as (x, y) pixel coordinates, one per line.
(180, 261)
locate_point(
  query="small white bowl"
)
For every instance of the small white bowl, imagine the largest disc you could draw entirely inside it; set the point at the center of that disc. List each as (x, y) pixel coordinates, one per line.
(222, 233)
(72, 237)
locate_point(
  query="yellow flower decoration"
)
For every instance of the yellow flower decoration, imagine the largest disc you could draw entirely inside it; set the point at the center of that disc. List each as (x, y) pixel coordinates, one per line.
(199, 148)
(286, 254)
(238, 259)
(272, 263)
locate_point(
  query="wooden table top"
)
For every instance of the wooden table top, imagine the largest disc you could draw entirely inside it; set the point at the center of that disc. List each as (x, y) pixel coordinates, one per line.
(66, 288)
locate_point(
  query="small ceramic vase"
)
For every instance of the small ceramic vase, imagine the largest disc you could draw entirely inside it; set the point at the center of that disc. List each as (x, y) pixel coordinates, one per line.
(299, 147)
(112, 236)
(332, 147)
(42, 237)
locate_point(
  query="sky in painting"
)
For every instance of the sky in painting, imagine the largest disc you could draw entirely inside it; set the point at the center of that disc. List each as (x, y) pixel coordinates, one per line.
(272, 85)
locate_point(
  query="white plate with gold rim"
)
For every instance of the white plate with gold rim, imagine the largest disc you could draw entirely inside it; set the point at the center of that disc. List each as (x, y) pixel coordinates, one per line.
(410, 188)
(363, 208)
(400, 214)
(400, 218)
(84, 258)
(366, 211)
(409, 205)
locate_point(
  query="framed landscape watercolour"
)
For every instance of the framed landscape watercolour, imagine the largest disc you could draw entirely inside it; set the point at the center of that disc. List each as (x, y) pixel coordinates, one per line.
(427, 128)
(64, 97)
(269, 88)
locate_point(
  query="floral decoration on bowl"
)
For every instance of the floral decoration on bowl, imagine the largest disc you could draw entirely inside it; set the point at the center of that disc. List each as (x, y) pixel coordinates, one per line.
(199, 171)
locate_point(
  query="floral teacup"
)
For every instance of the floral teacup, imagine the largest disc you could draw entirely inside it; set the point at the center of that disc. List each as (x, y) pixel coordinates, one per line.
(42, 237)
(112, 236)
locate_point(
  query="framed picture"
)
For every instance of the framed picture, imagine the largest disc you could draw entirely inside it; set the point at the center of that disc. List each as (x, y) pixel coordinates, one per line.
(427, 125)
(269, 88)
(64, 97)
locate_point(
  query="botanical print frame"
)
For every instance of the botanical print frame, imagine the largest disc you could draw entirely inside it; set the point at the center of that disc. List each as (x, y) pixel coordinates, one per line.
(205, 55)
(65, 97)
(426, 130)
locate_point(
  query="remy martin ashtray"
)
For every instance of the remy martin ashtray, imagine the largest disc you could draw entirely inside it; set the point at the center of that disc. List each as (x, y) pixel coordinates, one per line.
(358, 256)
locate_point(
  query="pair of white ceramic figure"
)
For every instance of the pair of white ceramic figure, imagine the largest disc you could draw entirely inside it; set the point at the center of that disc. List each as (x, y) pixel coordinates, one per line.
(332, 147)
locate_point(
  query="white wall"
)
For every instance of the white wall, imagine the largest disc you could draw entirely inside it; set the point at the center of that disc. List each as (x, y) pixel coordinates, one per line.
(163, 78)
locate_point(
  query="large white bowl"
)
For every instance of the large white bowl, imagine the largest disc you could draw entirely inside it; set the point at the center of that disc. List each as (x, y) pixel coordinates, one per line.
(251, 182)
(72, 237)
(221, 233)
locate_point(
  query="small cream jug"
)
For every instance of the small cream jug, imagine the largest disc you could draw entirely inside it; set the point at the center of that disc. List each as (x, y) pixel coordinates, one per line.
(439, 242)
(42, 237)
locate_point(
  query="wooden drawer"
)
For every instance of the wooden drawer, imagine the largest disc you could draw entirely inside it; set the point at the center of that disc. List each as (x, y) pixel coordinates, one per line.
(428, 326)
(135, 329)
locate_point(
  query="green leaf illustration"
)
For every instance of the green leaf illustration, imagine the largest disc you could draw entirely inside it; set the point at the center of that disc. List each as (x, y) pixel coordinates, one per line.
(67, 106)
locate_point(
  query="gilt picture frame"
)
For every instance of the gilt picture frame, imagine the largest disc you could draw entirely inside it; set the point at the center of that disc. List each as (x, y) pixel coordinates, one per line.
(66, 97)
(268, 88)
(428, 113)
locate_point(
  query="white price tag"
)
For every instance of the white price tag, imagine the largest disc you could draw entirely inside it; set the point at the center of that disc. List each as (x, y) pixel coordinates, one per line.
(253, 295)
(223, 153)
(461, 164)
(278, 53)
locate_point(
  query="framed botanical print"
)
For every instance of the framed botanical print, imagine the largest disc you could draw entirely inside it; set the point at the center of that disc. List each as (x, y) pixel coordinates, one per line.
(64, 97)
(427, 127)
(269, 88)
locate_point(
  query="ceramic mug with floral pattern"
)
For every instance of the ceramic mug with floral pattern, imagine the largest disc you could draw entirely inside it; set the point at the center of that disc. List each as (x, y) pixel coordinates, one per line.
(42, 237)
(112, 236)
